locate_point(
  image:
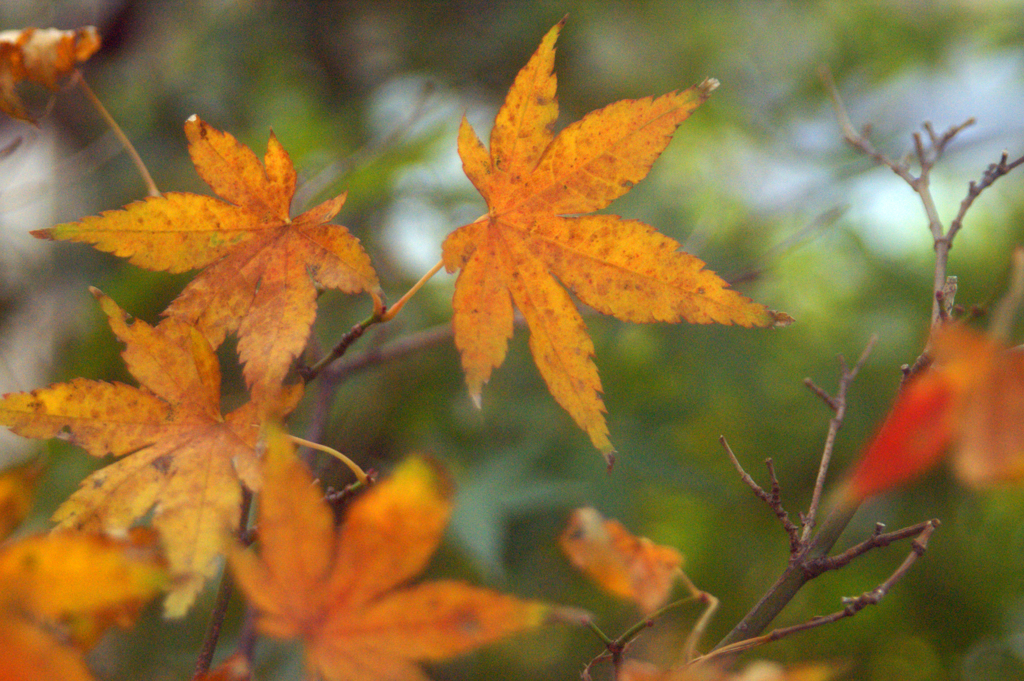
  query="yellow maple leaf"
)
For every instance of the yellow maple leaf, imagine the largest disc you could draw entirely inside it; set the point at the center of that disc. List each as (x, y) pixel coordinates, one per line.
(60, 592)
(40, 55)
(182, 458)
(537, 187)
(262, 268)
(630, 567)
(342, 592)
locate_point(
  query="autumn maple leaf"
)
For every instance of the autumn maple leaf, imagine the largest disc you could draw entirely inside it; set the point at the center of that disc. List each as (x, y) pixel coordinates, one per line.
(971, 401)
(41, 56)
(627, 566)
(342, 592)
(59, 592)
(262, 268)
(537, 186)
(182, 458)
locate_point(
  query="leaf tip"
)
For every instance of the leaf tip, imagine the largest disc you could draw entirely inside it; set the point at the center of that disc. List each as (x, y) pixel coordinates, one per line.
(559, 614)
(706, 87)
(780, 319)
(609, 458)
(46, 234)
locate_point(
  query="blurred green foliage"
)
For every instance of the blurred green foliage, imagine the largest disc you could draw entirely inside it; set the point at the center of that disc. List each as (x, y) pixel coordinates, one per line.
(366, 96)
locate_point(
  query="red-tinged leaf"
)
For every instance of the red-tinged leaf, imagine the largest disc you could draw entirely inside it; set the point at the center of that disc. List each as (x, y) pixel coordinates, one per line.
(912, 438)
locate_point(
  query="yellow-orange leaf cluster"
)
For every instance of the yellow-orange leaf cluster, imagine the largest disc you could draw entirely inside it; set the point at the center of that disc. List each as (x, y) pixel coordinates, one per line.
(181, 456)
(60, 592)
(972, 399)
(343, 593)
(627, 566)
(262, 268)
(40, 55)
(538, 188)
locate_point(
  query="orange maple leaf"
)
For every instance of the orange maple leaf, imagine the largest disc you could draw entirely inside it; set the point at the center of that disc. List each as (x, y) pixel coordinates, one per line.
(536, 186)
(262, 267)
(627, 566)
(970, 400)
(182, 458)
(60, 592)
(342, 592)
(40, 56)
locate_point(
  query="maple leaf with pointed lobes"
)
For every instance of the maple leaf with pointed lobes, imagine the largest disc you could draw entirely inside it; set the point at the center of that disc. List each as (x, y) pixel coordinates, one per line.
(538, 187)
(59, 592)
(262, 268)
(342, 592)
(182, 458)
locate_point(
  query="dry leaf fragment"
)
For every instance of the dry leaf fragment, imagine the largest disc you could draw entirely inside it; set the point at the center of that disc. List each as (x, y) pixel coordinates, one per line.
(972, 398)
(629, 567)
(40, 56)
(60, 592)
(182, 458)
(262, 268)
(17, 486)
(538, 189)
(343, 592)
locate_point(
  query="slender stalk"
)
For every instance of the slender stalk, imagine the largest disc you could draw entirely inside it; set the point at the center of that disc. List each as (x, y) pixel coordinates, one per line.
(125, 142)
(352, 465)
(224, 593)
(400, 303)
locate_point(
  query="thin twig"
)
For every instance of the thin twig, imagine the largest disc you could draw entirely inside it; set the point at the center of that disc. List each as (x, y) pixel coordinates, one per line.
(125, 142)
(839, 405)
(878, 539)
(224, 593)
(974, 189)
(773, 500)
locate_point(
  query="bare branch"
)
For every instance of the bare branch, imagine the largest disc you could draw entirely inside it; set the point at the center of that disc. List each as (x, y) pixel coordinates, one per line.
(878, 539)
(773, 500)
(851, 605)
(974, 189)
(838, 405)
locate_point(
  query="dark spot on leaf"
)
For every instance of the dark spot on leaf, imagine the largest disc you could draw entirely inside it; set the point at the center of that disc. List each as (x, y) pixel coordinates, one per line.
(162, 463)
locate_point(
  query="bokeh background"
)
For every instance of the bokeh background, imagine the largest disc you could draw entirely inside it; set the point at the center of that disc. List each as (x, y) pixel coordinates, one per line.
(367, 97)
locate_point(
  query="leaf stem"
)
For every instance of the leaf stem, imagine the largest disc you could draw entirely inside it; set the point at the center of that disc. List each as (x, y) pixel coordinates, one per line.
(224, 592)
(400, 303)
(125, 142)
(352, 465)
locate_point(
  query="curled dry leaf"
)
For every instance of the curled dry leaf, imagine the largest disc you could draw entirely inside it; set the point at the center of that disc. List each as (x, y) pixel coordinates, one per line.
(629, 567)
(40, 55)
(970, 400)
(539, 189)
(261, 267)
(59, 592)
(343, 592)
(183, 459)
